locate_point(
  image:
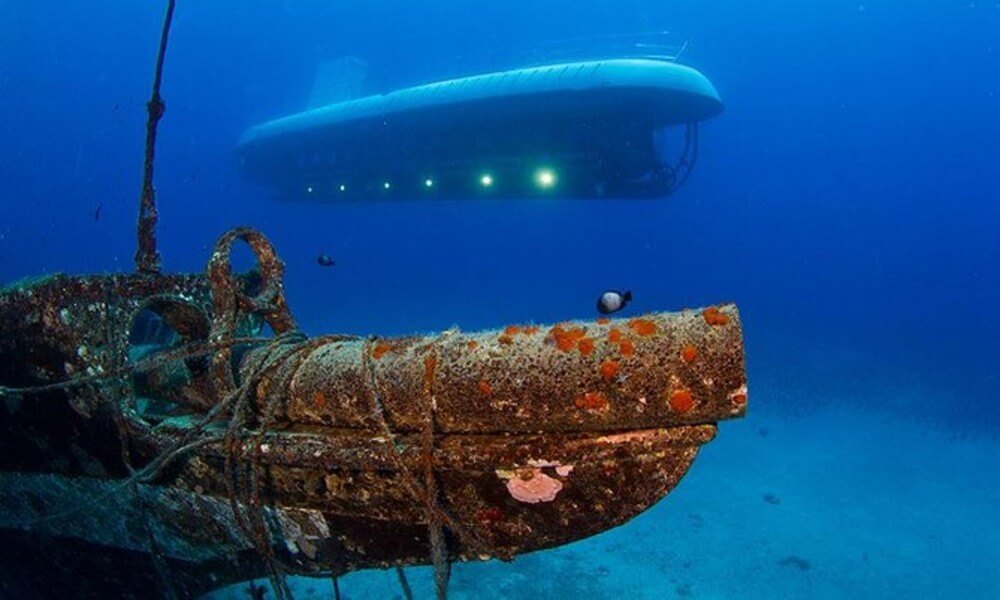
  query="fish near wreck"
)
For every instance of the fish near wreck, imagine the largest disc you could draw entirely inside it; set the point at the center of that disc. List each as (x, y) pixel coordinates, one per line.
(153, 443)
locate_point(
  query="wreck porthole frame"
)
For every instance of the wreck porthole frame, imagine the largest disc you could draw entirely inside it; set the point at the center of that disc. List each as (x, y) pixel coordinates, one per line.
(177, 387)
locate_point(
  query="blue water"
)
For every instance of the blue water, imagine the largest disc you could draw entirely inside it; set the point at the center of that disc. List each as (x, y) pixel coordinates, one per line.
(846, 200)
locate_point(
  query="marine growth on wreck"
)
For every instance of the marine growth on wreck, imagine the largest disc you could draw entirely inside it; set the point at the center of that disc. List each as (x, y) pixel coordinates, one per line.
(157, 442)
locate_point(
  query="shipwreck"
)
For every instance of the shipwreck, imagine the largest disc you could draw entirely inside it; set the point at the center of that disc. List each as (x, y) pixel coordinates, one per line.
(163, 435)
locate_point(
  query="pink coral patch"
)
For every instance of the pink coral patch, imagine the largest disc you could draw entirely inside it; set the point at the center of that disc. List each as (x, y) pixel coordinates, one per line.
(564, 470)
(533, 486)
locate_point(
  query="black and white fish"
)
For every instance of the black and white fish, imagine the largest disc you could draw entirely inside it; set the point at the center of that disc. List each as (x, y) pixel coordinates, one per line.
(324, 260)
(613, 301)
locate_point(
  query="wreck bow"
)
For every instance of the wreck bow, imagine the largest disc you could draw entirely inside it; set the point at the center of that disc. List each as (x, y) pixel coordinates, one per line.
(152, 441)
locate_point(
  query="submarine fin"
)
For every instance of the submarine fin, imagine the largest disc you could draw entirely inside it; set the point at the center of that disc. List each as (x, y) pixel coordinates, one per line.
(338, 80)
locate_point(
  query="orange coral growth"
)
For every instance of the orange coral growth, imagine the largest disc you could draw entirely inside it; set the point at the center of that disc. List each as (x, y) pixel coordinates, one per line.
(380, 349)
(626, 347)
(471, 344)
(565, 344)
(565, 339)
(485, 388)
(642, 327)
(681, 400)
(689, 353)
(319, 399)
(505, 339)
(530, 330)
(609, 369)
(512, 330)
(586, 346)
(592, 401)
(739, 398)
(614, 336)
(603, 320)
(713, 316)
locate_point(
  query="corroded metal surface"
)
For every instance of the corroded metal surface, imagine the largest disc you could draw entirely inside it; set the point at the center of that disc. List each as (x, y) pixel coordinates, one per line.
(350, 448)
(576, 376)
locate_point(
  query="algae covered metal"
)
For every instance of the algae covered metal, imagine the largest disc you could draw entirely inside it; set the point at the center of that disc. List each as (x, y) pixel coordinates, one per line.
(154, 440)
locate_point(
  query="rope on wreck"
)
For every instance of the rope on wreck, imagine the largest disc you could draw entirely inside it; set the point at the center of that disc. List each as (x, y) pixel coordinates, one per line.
(425, 491)
(435, 525)
(252, 412)
(245, 490)
(190, 440)
(403, 583)
(243, 486)
(159, 360)
(118, 353)
(147, 258)
(254, 524)
(229, 300)
(237, 401)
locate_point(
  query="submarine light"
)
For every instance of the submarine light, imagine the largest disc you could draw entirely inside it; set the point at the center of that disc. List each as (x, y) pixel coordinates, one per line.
(309, 190)
(343, 188)
(386, 185)
(428, 182)
(545, 178)
(486, 180)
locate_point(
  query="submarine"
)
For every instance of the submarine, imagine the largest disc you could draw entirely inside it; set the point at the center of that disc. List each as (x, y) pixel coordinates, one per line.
(608, 128)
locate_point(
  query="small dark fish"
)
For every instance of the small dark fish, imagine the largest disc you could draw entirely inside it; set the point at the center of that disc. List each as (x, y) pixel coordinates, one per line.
(97, 213)
(795, 561)
(613, 301)
(324, 260)
(772, 499)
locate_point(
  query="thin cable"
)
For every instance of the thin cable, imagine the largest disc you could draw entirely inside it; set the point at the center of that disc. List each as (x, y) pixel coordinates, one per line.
(147, 258)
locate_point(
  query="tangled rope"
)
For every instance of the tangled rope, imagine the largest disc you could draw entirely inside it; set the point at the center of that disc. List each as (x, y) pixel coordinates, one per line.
(249, 422)
(247, 414)
(426, 491)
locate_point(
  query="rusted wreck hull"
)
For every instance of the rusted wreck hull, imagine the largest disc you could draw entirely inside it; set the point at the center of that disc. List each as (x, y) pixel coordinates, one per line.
(349, 448)
(107, 548)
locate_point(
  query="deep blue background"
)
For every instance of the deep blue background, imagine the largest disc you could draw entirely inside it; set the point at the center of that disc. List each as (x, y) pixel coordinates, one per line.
(846, 199)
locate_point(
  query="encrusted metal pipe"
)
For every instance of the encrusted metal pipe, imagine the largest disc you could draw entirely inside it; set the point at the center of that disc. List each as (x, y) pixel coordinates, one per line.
(660, 370)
